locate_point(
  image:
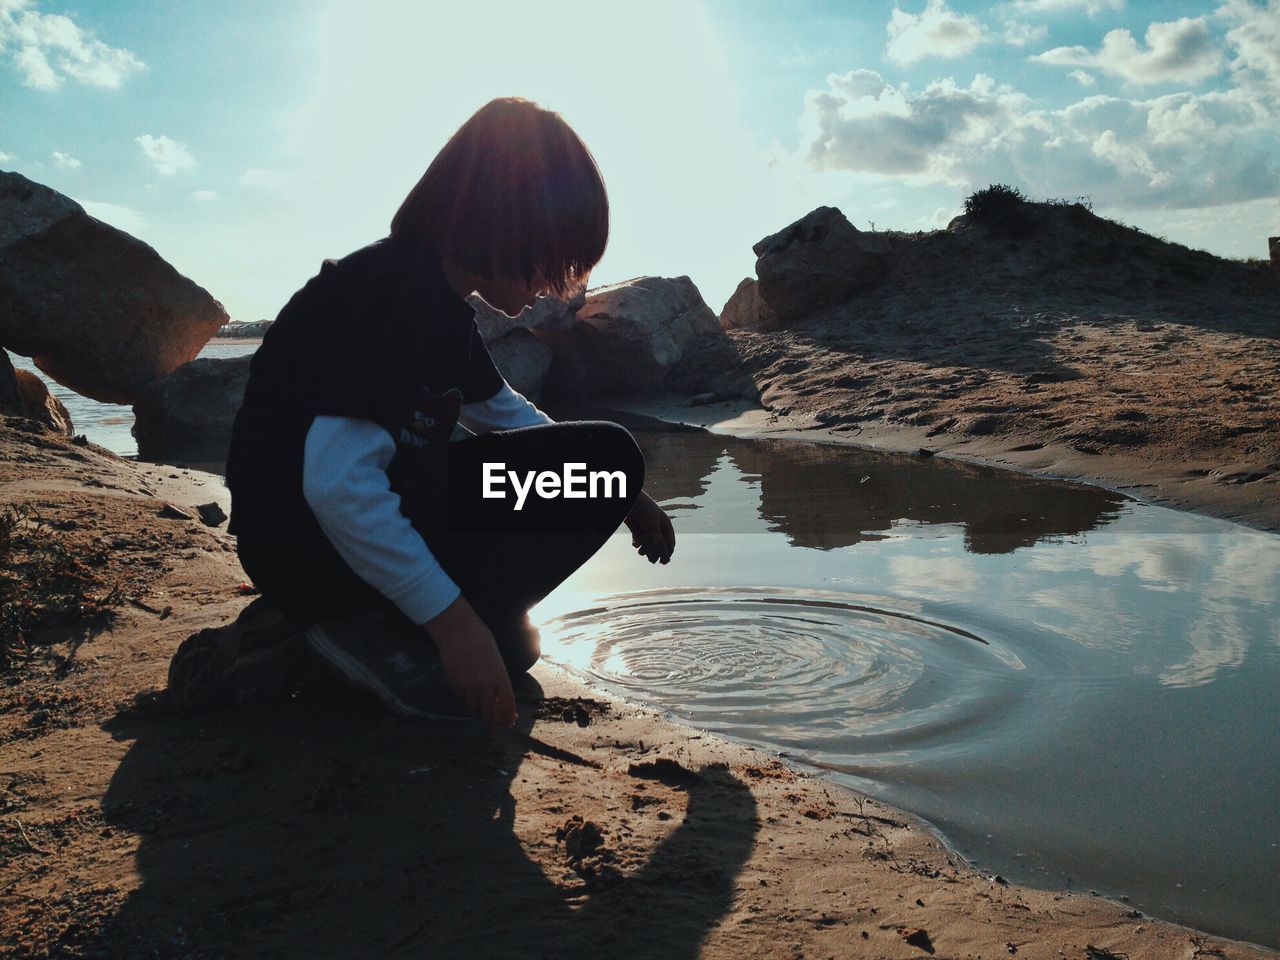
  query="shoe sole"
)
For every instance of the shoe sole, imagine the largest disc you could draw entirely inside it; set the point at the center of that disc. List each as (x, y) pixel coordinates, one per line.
(357, 674)
(210, 667)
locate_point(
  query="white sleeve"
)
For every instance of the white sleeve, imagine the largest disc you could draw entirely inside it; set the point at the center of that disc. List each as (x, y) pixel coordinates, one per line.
(344, 481)
(505, 410)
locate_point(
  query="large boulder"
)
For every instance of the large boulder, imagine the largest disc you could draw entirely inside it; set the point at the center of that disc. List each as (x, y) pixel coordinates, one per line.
(819, 261)
(523, 360)
(746, 309)
(626, 338)
(544, 312)
(186, 417)
(100, 311)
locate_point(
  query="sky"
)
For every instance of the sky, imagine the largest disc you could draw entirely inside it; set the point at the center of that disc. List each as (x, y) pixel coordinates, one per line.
(247, 140)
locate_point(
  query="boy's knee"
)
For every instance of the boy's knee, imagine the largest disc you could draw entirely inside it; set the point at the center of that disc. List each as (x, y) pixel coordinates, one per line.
(612, 447)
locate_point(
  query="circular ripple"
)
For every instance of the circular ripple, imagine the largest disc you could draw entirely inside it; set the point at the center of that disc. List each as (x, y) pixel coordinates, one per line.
(806, 670)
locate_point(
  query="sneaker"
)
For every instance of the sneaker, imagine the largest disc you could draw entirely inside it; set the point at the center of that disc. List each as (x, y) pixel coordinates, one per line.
(259, 654)
(397, 663)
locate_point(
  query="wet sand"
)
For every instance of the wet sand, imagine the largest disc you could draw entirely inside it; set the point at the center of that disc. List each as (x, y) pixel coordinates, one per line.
(317, 826)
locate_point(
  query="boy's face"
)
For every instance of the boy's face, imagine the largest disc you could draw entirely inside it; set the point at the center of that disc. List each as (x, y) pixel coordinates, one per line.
(510, 297)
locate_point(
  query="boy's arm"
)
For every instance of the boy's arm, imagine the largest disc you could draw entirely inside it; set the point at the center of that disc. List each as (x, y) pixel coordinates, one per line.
(505, 410)
(344, 481)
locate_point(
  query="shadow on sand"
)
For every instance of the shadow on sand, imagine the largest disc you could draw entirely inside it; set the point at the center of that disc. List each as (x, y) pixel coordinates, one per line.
(318, 827)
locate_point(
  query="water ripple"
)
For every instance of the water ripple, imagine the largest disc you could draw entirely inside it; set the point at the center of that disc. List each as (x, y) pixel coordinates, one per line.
(852, 674)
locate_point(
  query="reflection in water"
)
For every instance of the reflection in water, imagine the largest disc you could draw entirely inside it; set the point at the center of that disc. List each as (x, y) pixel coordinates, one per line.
(1076, 690)
(828, 497)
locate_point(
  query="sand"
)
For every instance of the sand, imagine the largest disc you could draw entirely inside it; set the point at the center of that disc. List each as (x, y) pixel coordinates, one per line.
(317, 826)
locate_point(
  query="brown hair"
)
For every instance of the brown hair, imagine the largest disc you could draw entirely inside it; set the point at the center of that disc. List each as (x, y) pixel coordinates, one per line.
(514, 195)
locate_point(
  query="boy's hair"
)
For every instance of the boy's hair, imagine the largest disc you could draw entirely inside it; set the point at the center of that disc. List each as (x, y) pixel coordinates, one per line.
(515, 195)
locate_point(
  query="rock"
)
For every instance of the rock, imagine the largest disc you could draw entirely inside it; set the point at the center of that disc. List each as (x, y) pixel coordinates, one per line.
(545, 312)
(746, 310)
(41, 404)
(1273, 244)
(11, 401)
(170, 512)
(626, 338)
(523, 360)
(702, 399)
(187, 416)
(211, 515)
(23, 394)
(711, 366)
(100, 311)
(249, 329)
(819, 261)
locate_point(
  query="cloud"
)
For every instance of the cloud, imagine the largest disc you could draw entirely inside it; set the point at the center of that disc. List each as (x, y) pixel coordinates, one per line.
(934, 32)
(204, 195)
(48, 49)
(1255, 40)
(863, 123)
(166, 155)
(6, 157)
(1091, 7)
(1019, 34)
(1177, 151)
(1181, 51)
(64, 161)
(268, 181)
(1082, 78)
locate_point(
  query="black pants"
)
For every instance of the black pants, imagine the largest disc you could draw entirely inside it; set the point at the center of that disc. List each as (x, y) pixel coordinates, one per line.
(504, 560)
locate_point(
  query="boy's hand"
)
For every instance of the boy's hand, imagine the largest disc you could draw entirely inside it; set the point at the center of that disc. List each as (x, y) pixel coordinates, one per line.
(473, 665)
(651, 532)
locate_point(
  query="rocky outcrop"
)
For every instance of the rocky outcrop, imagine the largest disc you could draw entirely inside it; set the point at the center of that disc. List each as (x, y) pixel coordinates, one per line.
(626, 338)
(819, 261)
(23, 394)
(746, 309)
(99, 311)
(186, 417)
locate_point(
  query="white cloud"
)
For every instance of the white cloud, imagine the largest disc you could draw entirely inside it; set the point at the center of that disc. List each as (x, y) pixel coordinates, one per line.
(49, 48)
(1082, 78)
(1019, 34)
(1128, 158)
(934, 32)
(6, 157)
(64, 161)
(1178, 151)
(1255, 40)
(268, 181)
(862, 123)
(204, 195)
(168, 156)
(122, 217)
(1181, 51)
(1091, 7)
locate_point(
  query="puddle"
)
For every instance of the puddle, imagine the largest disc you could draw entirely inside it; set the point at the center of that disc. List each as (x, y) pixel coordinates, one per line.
(1077, 690)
